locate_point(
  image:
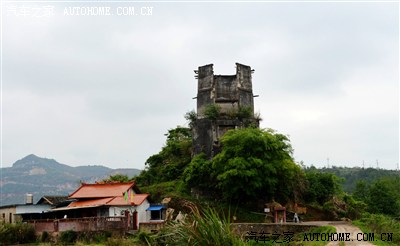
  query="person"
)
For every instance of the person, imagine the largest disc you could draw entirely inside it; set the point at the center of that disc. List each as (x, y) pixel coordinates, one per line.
(296, 218)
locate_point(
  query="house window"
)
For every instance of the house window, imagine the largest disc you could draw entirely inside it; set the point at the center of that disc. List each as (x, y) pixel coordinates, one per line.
(10, 217)
(156, 212)
(156, 215)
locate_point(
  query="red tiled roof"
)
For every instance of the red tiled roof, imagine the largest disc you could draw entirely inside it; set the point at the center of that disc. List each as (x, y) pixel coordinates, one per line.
(90, 203)
(111, 201)
(101, 190)
(120, 201)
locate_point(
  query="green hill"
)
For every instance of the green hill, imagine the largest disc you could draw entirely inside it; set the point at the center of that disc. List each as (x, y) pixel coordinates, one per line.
(353, 174)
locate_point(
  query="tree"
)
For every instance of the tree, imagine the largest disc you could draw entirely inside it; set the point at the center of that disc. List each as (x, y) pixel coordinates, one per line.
(361, 192)
(321, 187)
(199, 173)
(117, 178)
(170, 162)
(384, 197)
(191, 117)
(354, 208)
(253, 163)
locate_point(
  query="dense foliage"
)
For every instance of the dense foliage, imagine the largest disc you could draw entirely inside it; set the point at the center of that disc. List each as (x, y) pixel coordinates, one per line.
(257, 165)
(117, 178)
(321, 187)
(171, 161)
(253, 164)
(381, 196)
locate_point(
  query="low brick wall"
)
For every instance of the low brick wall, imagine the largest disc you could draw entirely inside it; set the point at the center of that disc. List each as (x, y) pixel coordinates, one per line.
(82, 224)
(151, 226)
(245, 229)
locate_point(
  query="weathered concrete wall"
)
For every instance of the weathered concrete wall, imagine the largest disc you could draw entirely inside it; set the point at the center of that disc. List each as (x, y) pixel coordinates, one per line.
(8, 214)
(244, 229)
(226, 88)
(205, 85)
(205, 76)
(143, 215)
(203, 136)
(230, 93)
(45, 225)
(243, 76)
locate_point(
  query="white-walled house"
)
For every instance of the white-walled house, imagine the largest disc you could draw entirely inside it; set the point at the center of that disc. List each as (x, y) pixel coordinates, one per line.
(108, 200)
(29, 211)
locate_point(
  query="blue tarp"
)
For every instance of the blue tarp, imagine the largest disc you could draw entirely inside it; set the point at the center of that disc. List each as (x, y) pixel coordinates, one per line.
(155, 208)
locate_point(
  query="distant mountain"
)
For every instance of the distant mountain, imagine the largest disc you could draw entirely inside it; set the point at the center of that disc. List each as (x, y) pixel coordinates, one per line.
(42, 176)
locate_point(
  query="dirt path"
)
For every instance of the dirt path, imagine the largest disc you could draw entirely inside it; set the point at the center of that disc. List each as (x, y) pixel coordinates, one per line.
(353, 233)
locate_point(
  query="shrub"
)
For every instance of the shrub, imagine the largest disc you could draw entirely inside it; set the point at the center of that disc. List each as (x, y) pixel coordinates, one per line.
(68, 237)
(244, 113)
(379, 223)
(93, 236)
(45, 237)
(102, 236)
(191, 117)
(17, 233)
(212, 111)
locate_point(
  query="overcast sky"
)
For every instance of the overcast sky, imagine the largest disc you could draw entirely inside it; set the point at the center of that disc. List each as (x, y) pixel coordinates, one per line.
(103, 90)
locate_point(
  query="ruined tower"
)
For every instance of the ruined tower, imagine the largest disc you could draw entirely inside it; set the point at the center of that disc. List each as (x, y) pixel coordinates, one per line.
(224, 102)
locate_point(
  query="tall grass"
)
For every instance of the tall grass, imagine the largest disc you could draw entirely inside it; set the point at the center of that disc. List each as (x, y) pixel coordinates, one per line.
(201, 228)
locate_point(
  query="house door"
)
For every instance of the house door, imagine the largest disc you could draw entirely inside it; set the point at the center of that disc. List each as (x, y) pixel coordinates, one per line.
(135, 220)
(128, 220)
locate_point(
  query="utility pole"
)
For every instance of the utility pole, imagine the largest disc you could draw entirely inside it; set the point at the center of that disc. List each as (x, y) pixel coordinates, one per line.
(377, 164)
(327, 161)
(363, 164)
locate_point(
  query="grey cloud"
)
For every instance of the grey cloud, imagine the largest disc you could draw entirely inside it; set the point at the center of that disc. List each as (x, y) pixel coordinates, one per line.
(119, 83)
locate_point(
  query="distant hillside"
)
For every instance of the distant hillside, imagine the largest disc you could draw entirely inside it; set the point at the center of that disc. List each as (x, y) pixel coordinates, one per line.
(41, 176)
(353, 174)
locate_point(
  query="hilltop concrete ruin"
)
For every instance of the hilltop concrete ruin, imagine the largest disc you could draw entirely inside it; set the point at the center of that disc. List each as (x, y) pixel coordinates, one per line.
(224, 102)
